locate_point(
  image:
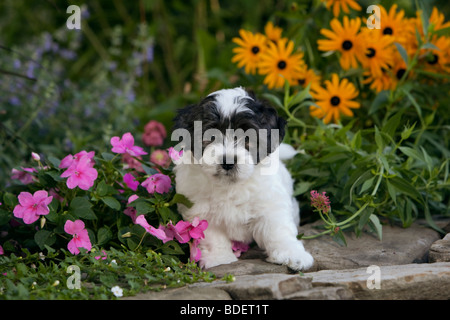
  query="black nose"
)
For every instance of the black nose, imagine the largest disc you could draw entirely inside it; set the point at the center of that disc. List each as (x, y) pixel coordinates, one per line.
(228, 166)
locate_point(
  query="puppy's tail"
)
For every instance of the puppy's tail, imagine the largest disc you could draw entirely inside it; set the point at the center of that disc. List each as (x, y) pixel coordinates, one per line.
(287, 151)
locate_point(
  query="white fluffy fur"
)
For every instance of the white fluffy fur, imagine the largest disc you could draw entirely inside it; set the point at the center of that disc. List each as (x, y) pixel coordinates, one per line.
(256, 206)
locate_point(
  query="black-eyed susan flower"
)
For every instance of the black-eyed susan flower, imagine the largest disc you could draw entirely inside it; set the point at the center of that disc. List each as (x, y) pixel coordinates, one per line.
(272, 33)
(346, 39)
(308, 77)
(335, 99)
(394, 25)
(248, 54)
(279, 63)
(437, 19)
(379, 51)
(438, 59)
(341, 4)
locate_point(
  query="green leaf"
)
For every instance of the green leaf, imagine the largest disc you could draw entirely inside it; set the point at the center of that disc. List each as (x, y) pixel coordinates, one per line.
(44, 237)
(10, 199)
(356, 141)
(142, 206)
(81, 207)
(273, 99)
(376, 226)
(391, 191)
(379, 139)
(111, 202)
(340, 238)
(364, 218)
(5, 217)
(180, 198)
(392, 124)
(412, 153)
(167, 215)
(104, 234)
(379, 100)
(402, 52)
(54, 161)
(406, 188)
(366, 185)
(302, 187)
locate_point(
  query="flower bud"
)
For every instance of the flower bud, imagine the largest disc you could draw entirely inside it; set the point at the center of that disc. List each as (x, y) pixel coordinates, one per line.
(35, 156)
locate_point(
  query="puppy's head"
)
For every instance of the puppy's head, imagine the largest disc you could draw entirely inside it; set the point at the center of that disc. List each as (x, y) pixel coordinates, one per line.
(229, 132)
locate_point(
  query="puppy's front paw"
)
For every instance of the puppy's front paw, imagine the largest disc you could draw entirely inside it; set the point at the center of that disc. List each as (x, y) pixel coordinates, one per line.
(295, 258)
(211, 260)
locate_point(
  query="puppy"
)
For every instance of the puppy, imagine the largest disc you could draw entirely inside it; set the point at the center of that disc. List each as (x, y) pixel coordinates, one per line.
(231, 171)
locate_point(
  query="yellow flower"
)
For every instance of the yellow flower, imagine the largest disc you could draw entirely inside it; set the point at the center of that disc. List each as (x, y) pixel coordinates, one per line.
(336, 98)
(438, 60)
(437, 19)
(279, 63)
(308, 76)
(344, 4)
(346, 39)
(248, 54)
(379, 51)
(389, 77)
(272, 33)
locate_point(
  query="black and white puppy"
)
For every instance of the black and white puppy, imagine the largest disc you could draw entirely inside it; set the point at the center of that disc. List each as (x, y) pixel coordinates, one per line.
(231, 171)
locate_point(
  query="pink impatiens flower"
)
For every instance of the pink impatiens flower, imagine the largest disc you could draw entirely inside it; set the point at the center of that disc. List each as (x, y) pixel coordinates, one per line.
(183, 231)
(154, 133)
(195, 253)
(158, 182)
(30, 207)
(81, 174)
(130, 181)
(239, 248)
(74, 159)
(159, 233)
(24, 176)
(126, 145)
(80, 236)
(174, 154)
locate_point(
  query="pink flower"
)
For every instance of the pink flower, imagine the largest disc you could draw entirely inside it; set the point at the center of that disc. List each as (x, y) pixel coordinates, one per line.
(131, 212)
(35, 156)
(2, 251)
(239, 248)
(195, 253)
(174, 154)
(126, 145)
(132, 163)
(30, 207)
(72, 160)
(24, 176)
(158, 182)
(80, 236)
(160, 157)
(132, 198)
(158, 233)
(183, 231)
(154, 134)
(130, 181)
(80, 174)
(320, 201)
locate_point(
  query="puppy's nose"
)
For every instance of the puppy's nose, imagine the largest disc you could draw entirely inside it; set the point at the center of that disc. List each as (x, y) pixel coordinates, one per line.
(228, 166)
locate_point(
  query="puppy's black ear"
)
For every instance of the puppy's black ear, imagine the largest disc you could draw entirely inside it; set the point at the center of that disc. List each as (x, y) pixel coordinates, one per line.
(268, 119)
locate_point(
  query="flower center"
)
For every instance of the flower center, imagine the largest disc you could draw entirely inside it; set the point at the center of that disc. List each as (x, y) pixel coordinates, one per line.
(35, 205)
(255, 49)
(400, 73)
(371, 53)
(301, 81)
(347, 45)
(335, 100)
(388, 31)
(77, 173)
(433, 60)
(281, 65)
